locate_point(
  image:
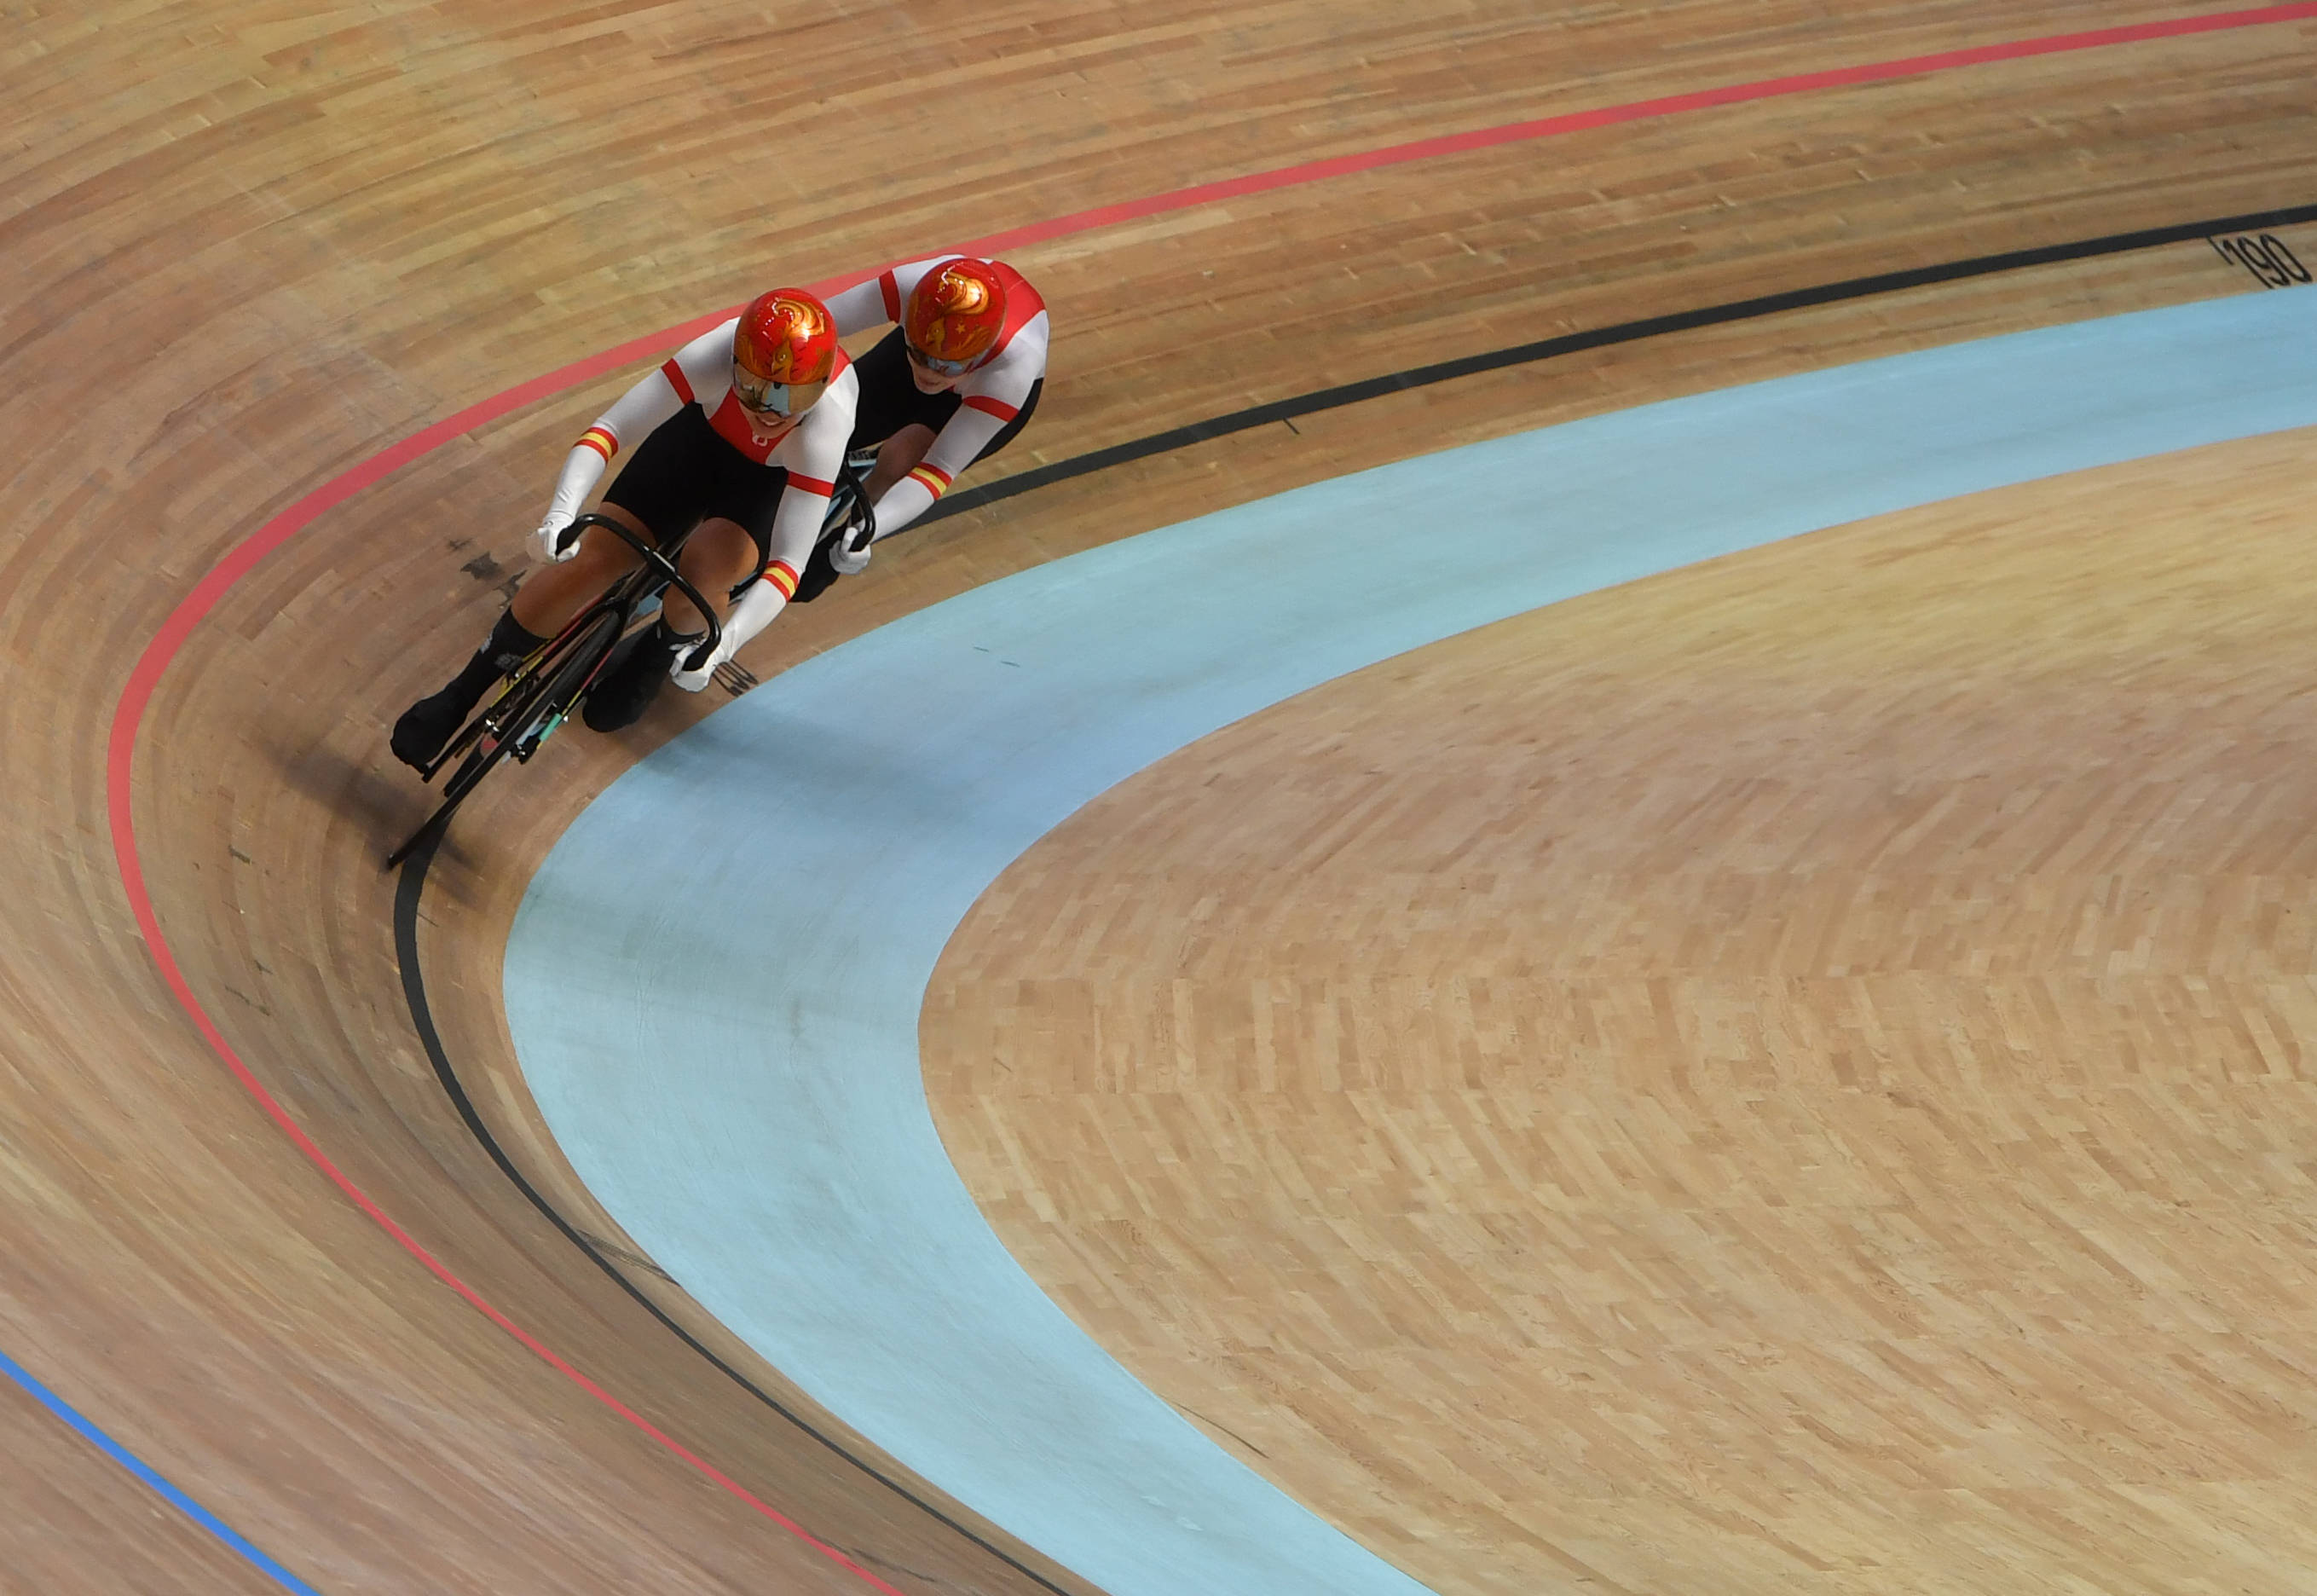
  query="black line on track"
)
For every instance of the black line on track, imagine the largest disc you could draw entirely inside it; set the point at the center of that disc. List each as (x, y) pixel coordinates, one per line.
(408, 890)
(1628, 332)
(412, 881)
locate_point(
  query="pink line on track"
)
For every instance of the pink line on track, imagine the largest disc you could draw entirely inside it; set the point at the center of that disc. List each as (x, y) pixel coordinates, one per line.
(154, 663)
(1551, 127)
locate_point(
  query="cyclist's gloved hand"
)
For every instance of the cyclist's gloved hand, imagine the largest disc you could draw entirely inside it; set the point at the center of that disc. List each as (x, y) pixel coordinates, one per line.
(555, 541)
(851, 527)
(848, 551)
(693, 667)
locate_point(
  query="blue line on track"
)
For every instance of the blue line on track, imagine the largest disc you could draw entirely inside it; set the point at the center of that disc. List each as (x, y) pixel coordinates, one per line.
(136, 1465)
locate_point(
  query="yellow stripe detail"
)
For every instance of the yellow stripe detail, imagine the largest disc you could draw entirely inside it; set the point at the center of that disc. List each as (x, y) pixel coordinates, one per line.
(935, 483)
(602, 442)
(780, 576)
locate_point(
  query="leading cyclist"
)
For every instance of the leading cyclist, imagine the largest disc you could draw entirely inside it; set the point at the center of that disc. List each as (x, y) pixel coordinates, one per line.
(743, 433)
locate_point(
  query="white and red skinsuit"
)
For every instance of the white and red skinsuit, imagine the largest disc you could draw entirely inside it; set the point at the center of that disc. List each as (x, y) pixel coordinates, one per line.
(811, 449)
(990, 395)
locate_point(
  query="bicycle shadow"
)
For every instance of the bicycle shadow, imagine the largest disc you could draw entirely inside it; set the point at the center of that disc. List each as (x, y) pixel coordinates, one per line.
(380, 800)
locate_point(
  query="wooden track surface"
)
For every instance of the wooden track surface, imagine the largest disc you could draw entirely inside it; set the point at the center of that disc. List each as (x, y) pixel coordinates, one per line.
(77, 1520)
(247, 247)
(1783, 1076)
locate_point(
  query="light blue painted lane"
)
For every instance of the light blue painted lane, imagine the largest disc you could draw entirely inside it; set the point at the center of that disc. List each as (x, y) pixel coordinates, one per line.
(714, 982)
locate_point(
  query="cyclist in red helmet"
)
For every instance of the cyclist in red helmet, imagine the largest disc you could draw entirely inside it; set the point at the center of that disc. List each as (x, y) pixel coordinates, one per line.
(743, 433)
(954, 382)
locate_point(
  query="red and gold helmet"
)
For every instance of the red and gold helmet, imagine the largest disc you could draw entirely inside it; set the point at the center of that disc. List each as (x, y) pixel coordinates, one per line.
(783, 352)
(954, 316)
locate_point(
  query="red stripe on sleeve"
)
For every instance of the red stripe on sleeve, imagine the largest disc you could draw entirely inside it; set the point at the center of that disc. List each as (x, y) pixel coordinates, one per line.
(781, 575)
(891, 289)
(936, 479)
(991, 406)
(599, 439)
(678, 380)
(812, 485)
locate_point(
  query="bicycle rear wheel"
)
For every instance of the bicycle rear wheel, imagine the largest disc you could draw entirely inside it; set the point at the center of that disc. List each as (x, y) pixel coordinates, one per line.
(535, 702)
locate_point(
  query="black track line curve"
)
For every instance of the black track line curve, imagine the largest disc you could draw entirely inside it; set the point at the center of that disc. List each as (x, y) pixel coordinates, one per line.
(1627, 332)
(412, 881)
(408, 890)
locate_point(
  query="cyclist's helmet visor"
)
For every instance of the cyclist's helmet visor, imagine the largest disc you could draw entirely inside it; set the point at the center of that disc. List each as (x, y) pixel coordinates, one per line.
(768, 397)
(784, 353)
(945, 368)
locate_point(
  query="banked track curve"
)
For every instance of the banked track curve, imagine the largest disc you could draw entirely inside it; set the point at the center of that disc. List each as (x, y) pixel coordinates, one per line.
(130, 712)
(410, 888)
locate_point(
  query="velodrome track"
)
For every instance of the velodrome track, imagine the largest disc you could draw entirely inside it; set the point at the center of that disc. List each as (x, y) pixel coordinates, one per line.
(251, 253)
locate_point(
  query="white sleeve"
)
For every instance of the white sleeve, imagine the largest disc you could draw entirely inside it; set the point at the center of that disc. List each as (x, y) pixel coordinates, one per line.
(700, 372)
(879, 299)
(992, 398)
(632, 416)
(864, 305)
(901, 503)
(796, 524)
(583, 468)
(752, 614)
(814, 454)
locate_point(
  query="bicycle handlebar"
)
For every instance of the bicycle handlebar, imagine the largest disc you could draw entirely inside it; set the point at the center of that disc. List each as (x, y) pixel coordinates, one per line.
(657, 559)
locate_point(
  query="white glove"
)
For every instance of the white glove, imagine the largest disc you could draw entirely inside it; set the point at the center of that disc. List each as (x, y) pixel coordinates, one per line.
(691, 681)
(848, 551)
(548, 542)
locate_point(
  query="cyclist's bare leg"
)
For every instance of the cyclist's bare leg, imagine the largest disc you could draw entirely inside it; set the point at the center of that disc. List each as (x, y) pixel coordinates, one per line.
(719, 556)
(897, 457)
(716, 558)
(552, 595)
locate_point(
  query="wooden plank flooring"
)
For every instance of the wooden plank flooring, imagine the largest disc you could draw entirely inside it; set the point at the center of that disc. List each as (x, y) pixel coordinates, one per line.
(77, 1520)
(1789, 1075)
(248, 246)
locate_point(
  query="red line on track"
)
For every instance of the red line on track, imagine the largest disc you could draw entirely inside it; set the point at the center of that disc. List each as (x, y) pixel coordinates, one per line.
(129, 713)
(1551, 127)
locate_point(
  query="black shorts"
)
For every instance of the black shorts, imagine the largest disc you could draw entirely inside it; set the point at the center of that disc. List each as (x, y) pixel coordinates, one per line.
(890, 401)
(682, 474)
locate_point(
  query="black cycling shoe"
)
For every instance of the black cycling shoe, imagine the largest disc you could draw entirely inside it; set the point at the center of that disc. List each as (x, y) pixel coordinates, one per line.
(426, 725)
(620, 697)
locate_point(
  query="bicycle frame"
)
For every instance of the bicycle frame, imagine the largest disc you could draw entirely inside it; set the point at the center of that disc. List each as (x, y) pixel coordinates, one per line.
(544, 690)
(659, 571)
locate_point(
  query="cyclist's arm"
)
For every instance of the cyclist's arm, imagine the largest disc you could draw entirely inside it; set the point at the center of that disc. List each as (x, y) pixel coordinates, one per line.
(993, 399)
(867, 304)
(795, 526)
(876, 301)
(814, 454)
(634, 414)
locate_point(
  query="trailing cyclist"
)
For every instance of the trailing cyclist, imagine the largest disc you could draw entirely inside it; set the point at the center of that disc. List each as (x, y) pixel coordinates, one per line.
(742, 433)
(954, 382)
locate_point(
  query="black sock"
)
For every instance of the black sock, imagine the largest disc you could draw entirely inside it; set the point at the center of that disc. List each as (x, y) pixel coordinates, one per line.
(672, 642)
(508, 646)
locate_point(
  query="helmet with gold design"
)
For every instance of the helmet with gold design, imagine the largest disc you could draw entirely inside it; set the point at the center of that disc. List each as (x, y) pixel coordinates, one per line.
(953, 317)
(784, 353)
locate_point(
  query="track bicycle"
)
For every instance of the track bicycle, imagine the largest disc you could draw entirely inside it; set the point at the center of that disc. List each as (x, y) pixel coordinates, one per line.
(548, 687)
